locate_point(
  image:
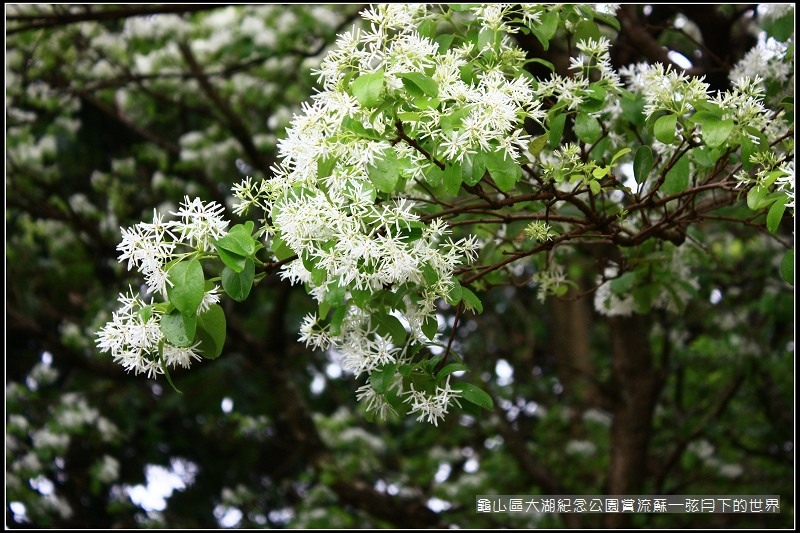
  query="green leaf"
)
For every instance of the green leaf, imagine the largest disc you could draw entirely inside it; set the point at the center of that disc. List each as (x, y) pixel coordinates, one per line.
(231, 260)
(179, 329)
(211, 331)
(237, 285)
(547, 27)
(487, 37)
(587, 128)
(385, 174)
(642, 163)
(643, 297)
(187, 286)
(367, 88)
(337, 318)
(409, 116)
(632, 109)
(587, 29)
(424, 83)
(677, 179)
(357, 127)
(390, 325)
(145, 313)
(423, 102)
(611, 20)
(478, 169)
(471, 301)
(775, 214)
(504, 170)
(280, 249)
(433, 175)
(455, 294)
(557, 129)
(600, 172)
(336, 293)
(595, 187)
(474, 394)
(755, 195)
(381, 378)
(543, 62)
(429, 274)
(749, 148)
(449, 369)
(716, 132)
(325, 166)
(536, 145)
(780, 28)
(664, 128)
(444, 41)
(787, 267)
(238, 242)
(704, 157)
(623, 284)
(430, 327)
(452, 178)
(619, 154)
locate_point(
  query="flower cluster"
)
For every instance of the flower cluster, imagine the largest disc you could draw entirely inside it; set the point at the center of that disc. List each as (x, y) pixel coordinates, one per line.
(339, 198)
(134, 336)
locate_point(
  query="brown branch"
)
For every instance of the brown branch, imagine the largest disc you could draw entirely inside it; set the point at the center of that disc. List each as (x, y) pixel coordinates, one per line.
(639, 39)
(402, 136)
(125, 121)
(41, 21)
(237, 127)
(697, 431)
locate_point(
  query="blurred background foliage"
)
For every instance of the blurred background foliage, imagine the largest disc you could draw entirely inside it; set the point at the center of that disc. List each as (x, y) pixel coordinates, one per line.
(113, 110)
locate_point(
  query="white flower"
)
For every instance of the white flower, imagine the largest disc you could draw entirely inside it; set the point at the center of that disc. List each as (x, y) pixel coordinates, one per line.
(133, 336)
(375, 403)
(200, 223)
(580, 447)
(432, 407)
(312, 335)
(145, 246)
(44, 438)
(108, 470)
(608, 303)
(210, 297)
(175, 356)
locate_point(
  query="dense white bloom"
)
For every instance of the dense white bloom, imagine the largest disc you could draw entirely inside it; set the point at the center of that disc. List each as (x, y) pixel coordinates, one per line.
(580, 447)
(108, 470)
(75, 413)
(775, 11)
(200, 223)
(432, 407)
(176, 356)
(312, 334)
(44, 438)
(133, 337)
(668, 90)
(146, 247)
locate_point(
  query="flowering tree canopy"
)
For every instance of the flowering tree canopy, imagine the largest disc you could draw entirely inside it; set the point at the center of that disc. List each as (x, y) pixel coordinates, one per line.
(402, 184)
(444, 184)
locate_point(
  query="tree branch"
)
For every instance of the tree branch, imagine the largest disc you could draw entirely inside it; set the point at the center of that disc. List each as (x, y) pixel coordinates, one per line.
(237, 127)
(51, 20)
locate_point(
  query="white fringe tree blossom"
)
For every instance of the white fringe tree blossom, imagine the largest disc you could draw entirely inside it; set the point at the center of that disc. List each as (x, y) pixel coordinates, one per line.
(427, 116)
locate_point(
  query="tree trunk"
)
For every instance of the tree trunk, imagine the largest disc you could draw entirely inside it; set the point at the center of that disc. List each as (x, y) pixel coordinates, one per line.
(637, 383)
(572, 323)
